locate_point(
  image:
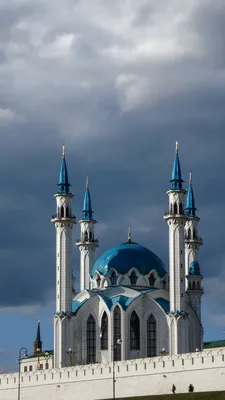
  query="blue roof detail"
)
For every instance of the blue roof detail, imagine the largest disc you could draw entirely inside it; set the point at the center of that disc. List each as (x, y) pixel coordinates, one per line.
(126, 256)
(63, 185)
(76, 305)
(190, 205)
(194, 268)
(164, 304)
(176, 181)
(87, 209)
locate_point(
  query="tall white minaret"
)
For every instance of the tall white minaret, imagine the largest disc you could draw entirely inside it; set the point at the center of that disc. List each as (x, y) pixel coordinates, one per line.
(192, 245)
(192, 240)
(176, 220)
(87, 243)
(63, 221)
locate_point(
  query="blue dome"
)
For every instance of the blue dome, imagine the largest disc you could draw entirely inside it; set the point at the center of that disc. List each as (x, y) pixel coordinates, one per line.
(126, 256)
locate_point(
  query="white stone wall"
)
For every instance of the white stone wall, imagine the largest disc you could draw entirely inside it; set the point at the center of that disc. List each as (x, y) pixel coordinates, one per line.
(148, 376)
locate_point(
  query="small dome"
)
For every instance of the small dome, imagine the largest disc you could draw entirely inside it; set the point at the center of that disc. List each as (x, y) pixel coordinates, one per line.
(126, 256)
(194, 268)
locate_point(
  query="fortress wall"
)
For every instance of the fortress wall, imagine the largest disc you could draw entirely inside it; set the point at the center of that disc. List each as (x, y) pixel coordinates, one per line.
(205, 371)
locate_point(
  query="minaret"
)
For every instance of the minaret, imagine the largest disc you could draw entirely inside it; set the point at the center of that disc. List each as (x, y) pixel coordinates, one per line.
(192, 241)
(63, 221)
(38, 342)
(192, 245)
(87, 243)
(176, 221)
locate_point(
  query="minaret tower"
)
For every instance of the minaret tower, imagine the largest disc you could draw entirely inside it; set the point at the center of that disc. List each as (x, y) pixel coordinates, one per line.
(87, 243)
(63, 221)
(176, 220)
(192, 245)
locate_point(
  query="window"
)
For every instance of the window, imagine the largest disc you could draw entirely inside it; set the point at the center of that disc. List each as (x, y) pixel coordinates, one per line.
(104, 332)
(25, 369)
(151, 279)
(47, 366)
(113, 278)
(41, 366)
(180, 209)
(91, 340)
(133, 278)
(175, 208)
(85, 236)
(62, 211)
(198, 285)
(30, 368)
(151, 336)
(67, 211)
(193, 285)
(90, 236)
(117, 333)
(164, 284)
(189, 285)
(98, 281)
(134, 332)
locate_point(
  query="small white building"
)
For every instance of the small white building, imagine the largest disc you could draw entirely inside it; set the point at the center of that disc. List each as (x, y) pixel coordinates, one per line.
(130, 306)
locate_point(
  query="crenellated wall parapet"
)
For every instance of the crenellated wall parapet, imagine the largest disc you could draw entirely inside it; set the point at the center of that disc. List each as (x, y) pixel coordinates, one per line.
(161, 366)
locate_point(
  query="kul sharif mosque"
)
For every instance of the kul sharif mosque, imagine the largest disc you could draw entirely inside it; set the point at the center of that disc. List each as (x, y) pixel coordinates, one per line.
(128, 300)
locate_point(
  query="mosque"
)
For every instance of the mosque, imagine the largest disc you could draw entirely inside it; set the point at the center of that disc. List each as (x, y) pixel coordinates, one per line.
(130, 305)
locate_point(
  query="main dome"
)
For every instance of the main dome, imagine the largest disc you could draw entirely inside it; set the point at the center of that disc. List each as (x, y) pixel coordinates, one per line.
(126, 256)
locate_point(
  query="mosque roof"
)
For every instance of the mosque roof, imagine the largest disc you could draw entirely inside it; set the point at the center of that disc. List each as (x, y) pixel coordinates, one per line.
(126, 256)
(119, 295)
(194, 268)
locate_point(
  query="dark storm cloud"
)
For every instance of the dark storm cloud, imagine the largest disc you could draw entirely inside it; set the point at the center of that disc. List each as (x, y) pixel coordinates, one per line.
(117, 85)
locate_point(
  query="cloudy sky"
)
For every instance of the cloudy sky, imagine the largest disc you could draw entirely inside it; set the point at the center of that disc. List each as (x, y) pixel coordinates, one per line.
(117, 81)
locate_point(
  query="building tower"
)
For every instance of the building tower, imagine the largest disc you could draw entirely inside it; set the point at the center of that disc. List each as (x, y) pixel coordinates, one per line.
(87, 243)
(38, 342)
(192, 245)
(63, 221)
(176, 220)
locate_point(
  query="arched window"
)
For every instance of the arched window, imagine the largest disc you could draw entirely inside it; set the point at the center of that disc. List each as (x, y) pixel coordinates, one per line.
(91, 340)
(151, 336)
(133, 278)
(189, 233)
(113, 278)
(67, 211)
(175, 208)
(134, 332)
(104, 332)
(151, 280)
(194, 233)
(189, 285)
(180, 209)
(198, 285)
(98, 281)
(90, 236)
(116, 333)
(62, 211)
(193, 285)
(85, 236)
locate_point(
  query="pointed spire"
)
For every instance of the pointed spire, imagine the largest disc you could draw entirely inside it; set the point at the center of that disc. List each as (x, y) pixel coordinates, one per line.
(176, 181)
(190, 205)
(129, 235)
(63, 185)
(38, 342)
(87, 208)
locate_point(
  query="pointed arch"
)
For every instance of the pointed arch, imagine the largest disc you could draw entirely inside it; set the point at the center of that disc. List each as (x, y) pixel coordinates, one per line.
(175, 208)
(134, 331)
(85, 236)
(113, 278)
(133, 278)
(117, 333)
(151, 336)
(62, 211)
(152, 279)
(104, 332)
(91, 340)
(67, 211)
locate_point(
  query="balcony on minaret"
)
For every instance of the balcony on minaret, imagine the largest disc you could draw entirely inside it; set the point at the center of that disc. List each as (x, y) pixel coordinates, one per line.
(87, 241)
